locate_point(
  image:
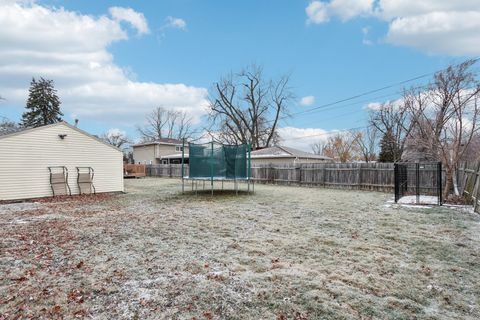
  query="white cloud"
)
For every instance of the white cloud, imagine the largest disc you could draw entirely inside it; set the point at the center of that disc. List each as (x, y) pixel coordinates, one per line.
(72, 49)
(302, 138)
(317, 12)
(136, 19)
(115, 132)
(390, 9)
(433, 26)
(320, 12)
(307, 101)
(176, 23)
(375, 106)
(365, 32)
(454, 33)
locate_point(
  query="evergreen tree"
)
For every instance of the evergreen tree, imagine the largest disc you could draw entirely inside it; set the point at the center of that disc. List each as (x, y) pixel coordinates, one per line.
(388, 148)
(43, 104)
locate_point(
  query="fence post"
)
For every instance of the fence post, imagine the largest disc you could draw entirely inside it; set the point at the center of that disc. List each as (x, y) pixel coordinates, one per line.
(324, 175)
(396, 182)
(477, 186)
(477, 196)
(271, 173)
(359, 176)
(439, 183)
(417, 181)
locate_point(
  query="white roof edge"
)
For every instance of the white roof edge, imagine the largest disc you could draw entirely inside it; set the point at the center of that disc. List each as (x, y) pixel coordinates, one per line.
(156, 143)
(174, 156)
(272, 156)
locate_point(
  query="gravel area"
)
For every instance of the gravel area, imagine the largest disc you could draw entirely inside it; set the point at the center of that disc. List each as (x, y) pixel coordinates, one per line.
(282, 253)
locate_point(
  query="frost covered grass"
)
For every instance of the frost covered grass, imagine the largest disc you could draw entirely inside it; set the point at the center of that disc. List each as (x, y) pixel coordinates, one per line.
(283, 253)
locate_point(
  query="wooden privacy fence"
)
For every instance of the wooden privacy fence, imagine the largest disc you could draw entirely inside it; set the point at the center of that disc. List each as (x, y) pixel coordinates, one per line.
(166, 170)
(365, 176)
(134, 170)
(468, 178)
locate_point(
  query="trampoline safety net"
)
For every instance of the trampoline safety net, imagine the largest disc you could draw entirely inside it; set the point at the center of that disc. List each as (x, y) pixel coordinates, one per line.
(217, 161)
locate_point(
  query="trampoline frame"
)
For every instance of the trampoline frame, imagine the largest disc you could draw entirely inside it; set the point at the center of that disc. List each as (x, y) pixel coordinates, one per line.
(213, 178)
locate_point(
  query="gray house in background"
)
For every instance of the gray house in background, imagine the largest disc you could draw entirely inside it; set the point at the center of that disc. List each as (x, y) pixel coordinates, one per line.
(169, 151)
(285, 155)
(163, 151)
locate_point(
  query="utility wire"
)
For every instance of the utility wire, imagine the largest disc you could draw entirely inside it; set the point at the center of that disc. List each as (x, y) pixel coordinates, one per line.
(328, 106)
(324, 106)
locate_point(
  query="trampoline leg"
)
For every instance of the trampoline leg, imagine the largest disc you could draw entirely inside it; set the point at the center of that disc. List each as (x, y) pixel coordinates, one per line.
(211, 186)
(248, 186)
(203, 185)
(192, 185)
(236, 187)
(196, 187)
(183, 186)
(222, 184)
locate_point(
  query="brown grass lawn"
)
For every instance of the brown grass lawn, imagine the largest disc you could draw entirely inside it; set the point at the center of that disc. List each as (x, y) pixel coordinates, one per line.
(283, 253)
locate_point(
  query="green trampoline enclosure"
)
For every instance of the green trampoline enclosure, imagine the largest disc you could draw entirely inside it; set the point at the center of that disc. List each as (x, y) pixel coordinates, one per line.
(218, 161)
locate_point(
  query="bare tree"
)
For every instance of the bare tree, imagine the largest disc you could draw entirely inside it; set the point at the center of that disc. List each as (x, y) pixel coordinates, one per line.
(393, 119)
(446, 117)
(366, 142)
(163, 123)
(319, 147)
(246, 108)
(116, 138)
(342, 146)
(7, 126)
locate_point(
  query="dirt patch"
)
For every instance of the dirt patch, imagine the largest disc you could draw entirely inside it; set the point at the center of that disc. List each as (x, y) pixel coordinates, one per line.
(283, 253)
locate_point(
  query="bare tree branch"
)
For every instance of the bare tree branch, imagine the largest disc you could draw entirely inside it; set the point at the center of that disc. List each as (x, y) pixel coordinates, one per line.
(245, 108)
(116, 138)
(163, 123)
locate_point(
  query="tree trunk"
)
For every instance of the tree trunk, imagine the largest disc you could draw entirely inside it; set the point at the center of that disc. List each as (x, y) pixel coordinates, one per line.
(448, 183)
(455, 183)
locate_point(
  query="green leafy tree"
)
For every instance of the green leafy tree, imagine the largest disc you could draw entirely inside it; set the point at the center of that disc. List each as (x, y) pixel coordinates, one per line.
(43, 104)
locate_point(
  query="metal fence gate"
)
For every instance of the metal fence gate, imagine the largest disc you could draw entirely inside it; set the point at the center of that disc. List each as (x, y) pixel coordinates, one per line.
(420, 180)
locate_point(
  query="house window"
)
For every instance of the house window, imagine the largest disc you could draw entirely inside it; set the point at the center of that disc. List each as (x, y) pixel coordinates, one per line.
(178, 148)
(164, 161)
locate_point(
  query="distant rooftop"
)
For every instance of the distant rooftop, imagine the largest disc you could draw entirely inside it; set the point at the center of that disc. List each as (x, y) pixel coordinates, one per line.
(160, 141)
(285, 152)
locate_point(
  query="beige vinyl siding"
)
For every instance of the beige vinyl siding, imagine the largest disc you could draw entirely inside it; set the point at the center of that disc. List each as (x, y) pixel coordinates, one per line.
(153, 152)
(144, 154)
(166, 150)
(25, 158)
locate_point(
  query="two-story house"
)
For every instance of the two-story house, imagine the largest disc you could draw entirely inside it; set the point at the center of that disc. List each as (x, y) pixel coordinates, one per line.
(163, 151)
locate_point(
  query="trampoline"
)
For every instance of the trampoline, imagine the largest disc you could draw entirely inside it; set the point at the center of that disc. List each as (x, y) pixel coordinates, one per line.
(213, 161)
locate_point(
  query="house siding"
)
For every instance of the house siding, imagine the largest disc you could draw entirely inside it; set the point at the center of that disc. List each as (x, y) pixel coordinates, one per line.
(145, 154)
(150, 154)
(25, 158)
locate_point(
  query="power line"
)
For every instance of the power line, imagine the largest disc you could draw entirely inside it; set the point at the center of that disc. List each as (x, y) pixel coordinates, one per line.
(354, 104)
(373, 91)
(326, 106)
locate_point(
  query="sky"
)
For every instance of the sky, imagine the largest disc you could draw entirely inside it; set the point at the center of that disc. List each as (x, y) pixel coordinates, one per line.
(114, 61)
